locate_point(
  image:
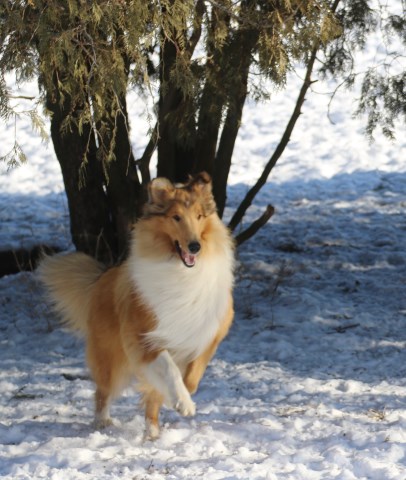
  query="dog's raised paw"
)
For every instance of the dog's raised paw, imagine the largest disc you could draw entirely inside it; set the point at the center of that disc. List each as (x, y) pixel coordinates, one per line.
(186, 407)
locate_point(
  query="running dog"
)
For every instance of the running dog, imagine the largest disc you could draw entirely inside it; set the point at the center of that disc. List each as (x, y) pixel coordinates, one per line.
(161, 314)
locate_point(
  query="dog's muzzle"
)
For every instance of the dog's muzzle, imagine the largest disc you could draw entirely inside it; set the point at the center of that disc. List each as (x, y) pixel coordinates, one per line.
(188, 257)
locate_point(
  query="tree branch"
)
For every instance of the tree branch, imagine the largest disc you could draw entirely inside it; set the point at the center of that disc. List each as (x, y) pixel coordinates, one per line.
(195, 36)
(255, 226)
(144, 161)
(251, 194)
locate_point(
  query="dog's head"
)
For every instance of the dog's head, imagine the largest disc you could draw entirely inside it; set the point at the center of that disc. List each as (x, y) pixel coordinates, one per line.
(180, 215)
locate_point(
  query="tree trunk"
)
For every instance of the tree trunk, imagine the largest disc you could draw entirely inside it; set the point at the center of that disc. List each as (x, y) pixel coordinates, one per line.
(124, 189)
(213, 99)
(241, 61)
(175, 142)
(226, 147)
(211, 106)
(90, 221)
(100, 211)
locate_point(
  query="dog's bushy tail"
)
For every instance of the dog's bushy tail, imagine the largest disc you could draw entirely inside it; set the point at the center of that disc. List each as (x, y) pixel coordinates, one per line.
(69, 280)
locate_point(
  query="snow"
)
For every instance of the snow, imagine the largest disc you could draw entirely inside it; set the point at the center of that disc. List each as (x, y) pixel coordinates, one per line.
(310, 383)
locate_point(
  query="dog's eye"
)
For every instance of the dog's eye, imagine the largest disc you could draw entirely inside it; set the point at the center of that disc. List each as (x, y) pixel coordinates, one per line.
(200, 216)
(176, 218)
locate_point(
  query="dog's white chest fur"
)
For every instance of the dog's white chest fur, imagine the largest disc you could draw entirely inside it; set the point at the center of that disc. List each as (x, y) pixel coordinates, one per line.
(189, 303)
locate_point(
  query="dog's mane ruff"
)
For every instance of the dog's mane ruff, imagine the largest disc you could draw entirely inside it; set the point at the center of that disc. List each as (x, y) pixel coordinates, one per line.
(189, 304)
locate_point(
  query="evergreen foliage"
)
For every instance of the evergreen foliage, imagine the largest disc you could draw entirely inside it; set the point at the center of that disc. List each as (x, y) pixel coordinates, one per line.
(383, 86)
(203, 57)
(91, 52)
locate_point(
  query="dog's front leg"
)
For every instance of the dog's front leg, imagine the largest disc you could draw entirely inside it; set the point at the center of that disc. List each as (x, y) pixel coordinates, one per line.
(197, 367)
(163, 374)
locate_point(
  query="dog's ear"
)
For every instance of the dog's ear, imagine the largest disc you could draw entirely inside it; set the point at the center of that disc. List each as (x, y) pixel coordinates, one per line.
(202, 185)
(160, 191)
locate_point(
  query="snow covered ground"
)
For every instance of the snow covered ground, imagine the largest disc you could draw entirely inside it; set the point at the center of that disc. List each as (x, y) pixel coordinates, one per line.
(311, 382)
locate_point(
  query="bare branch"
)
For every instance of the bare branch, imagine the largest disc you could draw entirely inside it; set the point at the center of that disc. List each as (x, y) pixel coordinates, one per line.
(255, 226)
(196, 34)
(251, 194)
(144, 161)
(21, 97)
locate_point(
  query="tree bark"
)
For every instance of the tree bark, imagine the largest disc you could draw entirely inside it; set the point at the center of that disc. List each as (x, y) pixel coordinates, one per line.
(213, 99)
(175, 156)
(90, 221)
(245, 43)
(101, 207)
(123, 188)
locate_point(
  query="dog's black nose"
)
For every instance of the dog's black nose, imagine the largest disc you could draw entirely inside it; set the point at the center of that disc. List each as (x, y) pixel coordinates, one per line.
(194, 247)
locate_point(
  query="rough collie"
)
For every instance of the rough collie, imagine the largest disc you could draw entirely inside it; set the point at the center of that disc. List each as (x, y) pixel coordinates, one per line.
(160, 315)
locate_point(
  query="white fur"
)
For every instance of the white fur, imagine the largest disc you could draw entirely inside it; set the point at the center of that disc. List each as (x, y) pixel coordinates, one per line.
(163, 374)
(189, 303)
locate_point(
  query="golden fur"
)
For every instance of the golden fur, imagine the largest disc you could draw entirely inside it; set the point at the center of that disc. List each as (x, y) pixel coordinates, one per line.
(160, 315)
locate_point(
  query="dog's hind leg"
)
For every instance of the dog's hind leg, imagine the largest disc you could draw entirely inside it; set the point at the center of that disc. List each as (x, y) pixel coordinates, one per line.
(102, 373)
(110, 375)
(102, 411)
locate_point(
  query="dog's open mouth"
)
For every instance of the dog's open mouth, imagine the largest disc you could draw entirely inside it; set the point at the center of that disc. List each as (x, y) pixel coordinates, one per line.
(188, 259)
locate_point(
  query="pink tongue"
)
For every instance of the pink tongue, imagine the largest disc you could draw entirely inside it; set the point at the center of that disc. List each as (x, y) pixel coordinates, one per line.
(189, 258)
